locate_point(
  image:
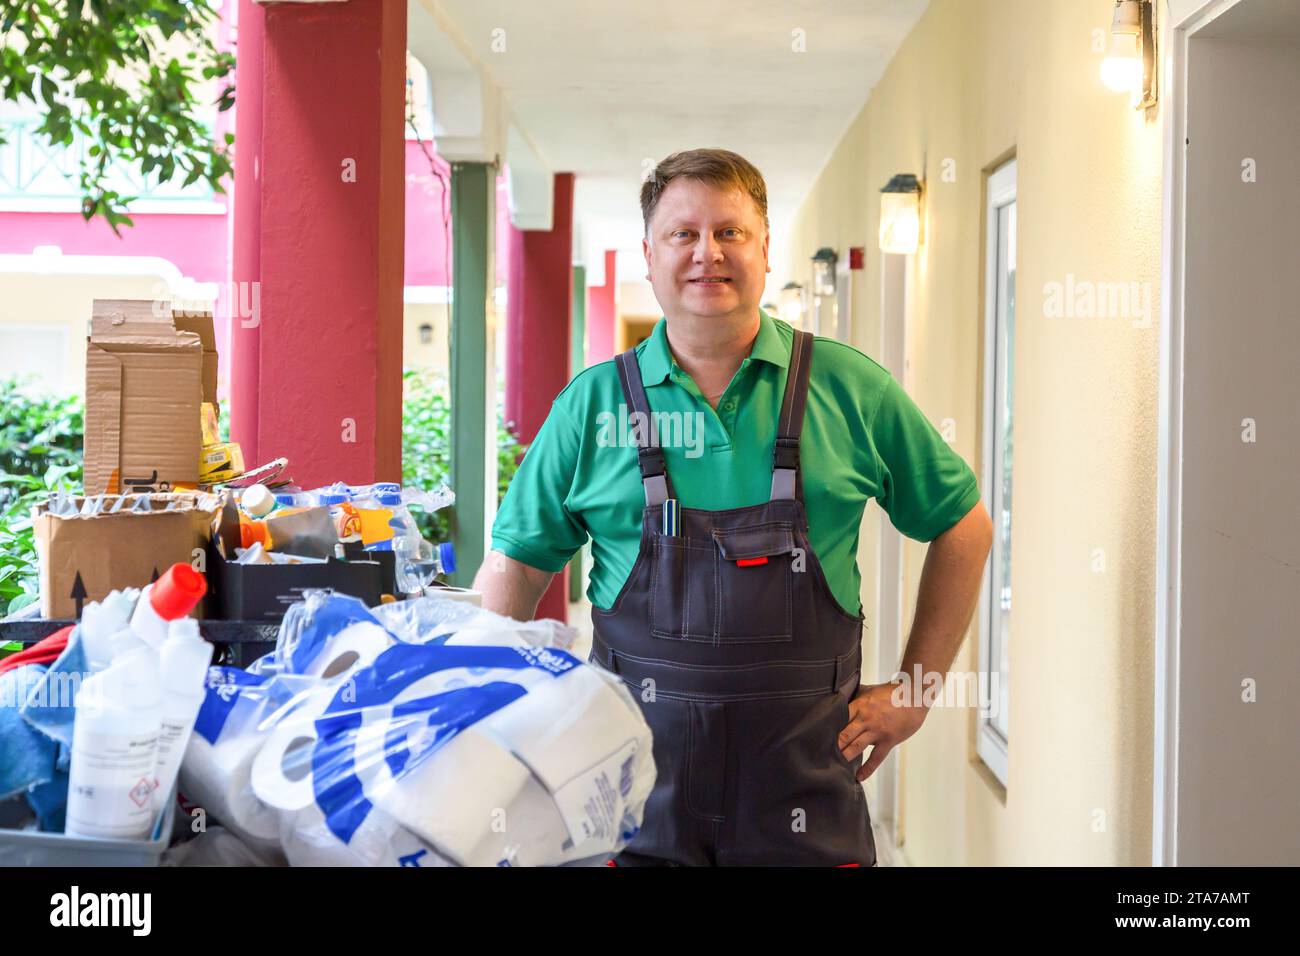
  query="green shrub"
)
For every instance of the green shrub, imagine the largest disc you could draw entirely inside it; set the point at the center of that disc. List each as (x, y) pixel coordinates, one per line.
(40, 452)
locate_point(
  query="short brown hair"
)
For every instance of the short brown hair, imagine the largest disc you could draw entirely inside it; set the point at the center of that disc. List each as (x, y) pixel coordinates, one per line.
(720, 168)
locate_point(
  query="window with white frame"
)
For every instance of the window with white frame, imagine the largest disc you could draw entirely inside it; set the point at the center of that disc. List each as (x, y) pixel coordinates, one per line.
(999, 379)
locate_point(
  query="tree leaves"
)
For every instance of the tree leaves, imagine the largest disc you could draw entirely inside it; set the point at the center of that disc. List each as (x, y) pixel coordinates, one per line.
(95, 69)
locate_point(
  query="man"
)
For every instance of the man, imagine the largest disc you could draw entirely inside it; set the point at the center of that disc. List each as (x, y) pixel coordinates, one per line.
(721, 470)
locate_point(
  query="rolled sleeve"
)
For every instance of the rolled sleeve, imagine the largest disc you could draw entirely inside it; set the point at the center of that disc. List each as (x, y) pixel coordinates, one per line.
(533, 524)
(926, 487)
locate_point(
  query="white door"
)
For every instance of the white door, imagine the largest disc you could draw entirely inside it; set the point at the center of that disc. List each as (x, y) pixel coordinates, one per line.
(1228, 642)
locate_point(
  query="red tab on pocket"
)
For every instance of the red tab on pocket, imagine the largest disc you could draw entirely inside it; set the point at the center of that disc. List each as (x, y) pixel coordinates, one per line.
(750, 562)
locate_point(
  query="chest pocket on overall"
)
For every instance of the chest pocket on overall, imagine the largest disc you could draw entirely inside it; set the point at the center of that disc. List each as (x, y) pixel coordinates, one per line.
(745, 571)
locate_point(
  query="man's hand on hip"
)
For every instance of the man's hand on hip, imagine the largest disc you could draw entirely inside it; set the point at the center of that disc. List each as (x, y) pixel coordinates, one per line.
(875, 719)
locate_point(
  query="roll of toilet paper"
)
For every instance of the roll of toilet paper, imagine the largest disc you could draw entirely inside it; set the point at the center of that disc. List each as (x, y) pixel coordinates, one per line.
(354, 647)
(587, 748)
(565, 726)
(280, 773)
(459, 798)
(216, 778)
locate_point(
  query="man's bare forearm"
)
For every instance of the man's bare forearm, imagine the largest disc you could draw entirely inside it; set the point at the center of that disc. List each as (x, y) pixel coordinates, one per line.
(511, 587)
(948, 594)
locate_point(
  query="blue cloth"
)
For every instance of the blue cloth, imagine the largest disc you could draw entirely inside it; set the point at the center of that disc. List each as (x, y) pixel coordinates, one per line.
(49, 801)
(51, 713)
(49, 707)
(27, 756)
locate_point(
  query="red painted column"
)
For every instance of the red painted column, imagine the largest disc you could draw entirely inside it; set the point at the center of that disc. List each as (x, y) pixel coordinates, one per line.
(601, 314)
(326, 239)
(539, 304)
(246, 228)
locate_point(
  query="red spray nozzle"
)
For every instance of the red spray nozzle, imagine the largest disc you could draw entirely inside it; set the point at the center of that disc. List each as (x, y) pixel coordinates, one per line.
(174, 594)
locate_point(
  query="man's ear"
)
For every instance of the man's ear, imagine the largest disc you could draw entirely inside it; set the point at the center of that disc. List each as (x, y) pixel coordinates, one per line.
(645, 248)
(767, 237)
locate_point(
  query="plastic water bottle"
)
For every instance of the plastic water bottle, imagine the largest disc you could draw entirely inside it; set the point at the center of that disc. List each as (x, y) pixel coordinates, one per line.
(417, 560)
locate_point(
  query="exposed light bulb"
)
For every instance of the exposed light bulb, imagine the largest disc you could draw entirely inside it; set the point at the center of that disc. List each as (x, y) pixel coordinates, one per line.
(1121, 70)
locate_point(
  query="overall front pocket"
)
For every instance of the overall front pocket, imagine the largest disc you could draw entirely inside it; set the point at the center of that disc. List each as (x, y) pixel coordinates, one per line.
(756, 582)
(684, 590)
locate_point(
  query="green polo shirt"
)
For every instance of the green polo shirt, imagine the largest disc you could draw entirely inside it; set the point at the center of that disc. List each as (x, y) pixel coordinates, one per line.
(863, 438)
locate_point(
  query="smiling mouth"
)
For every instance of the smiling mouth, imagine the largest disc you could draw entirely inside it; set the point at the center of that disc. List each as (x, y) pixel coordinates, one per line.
(710, 281)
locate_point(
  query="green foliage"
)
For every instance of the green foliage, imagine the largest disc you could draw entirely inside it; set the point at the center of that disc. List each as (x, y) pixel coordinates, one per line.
(98, 70)
(40, 452)
(426, 445)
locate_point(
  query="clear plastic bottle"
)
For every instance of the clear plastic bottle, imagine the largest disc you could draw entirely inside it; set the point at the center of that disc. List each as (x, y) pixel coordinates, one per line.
(418, 562)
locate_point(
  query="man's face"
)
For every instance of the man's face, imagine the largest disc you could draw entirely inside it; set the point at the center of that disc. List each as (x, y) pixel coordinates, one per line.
(706, 251)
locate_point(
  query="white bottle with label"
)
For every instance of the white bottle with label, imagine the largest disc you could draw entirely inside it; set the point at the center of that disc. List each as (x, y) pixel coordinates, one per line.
(114, 750)
(184, 661)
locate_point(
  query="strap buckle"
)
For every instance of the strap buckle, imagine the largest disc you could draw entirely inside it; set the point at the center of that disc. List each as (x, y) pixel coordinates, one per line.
(786, 454)
(651, 462)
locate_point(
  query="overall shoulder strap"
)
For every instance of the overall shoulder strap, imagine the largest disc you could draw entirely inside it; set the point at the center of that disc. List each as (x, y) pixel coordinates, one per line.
(650, 457)
(786, 479)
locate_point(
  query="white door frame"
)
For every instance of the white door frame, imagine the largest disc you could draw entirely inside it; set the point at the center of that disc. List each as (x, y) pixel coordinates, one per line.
(895, 278)
(1193, 16)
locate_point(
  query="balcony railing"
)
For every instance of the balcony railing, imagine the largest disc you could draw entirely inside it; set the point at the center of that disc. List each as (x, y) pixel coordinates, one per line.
(39, 177)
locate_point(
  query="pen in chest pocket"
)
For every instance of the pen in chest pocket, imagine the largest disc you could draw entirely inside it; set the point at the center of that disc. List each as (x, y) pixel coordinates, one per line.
(672, 517)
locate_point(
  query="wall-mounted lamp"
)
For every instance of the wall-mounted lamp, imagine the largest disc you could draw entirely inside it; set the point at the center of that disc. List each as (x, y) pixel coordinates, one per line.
(900, 215)
(1130, 63)
(791, 299)
(823, 271)
(426, 334)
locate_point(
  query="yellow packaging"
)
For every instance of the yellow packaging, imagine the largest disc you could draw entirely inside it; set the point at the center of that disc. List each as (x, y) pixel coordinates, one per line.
(208, 421)
(220, 462)
(374, 525)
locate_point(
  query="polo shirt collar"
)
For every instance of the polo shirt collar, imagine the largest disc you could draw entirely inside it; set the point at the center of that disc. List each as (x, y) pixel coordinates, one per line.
(656, 358)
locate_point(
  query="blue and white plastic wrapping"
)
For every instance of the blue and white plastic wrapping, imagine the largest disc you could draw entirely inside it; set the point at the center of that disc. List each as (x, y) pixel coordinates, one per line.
(425, 733)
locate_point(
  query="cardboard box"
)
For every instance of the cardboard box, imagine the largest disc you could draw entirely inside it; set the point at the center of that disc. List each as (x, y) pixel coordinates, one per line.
(81, 559)
(144, 384)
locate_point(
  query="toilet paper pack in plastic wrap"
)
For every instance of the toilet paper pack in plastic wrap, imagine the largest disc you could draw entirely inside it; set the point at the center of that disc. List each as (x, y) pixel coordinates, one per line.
(437, 736)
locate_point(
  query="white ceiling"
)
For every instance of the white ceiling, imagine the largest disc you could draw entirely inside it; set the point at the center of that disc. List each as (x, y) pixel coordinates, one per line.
(600, 87)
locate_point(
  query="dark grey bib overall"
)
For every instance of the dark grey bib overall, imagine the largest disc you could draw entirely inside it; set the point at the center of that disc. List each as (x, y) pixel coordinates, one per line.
(744, 665)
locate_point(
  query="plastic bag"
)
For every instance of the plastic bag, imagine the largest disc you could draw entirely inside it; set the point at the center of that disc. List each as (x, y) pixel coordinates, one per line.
(433, 620)
(350, 744)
